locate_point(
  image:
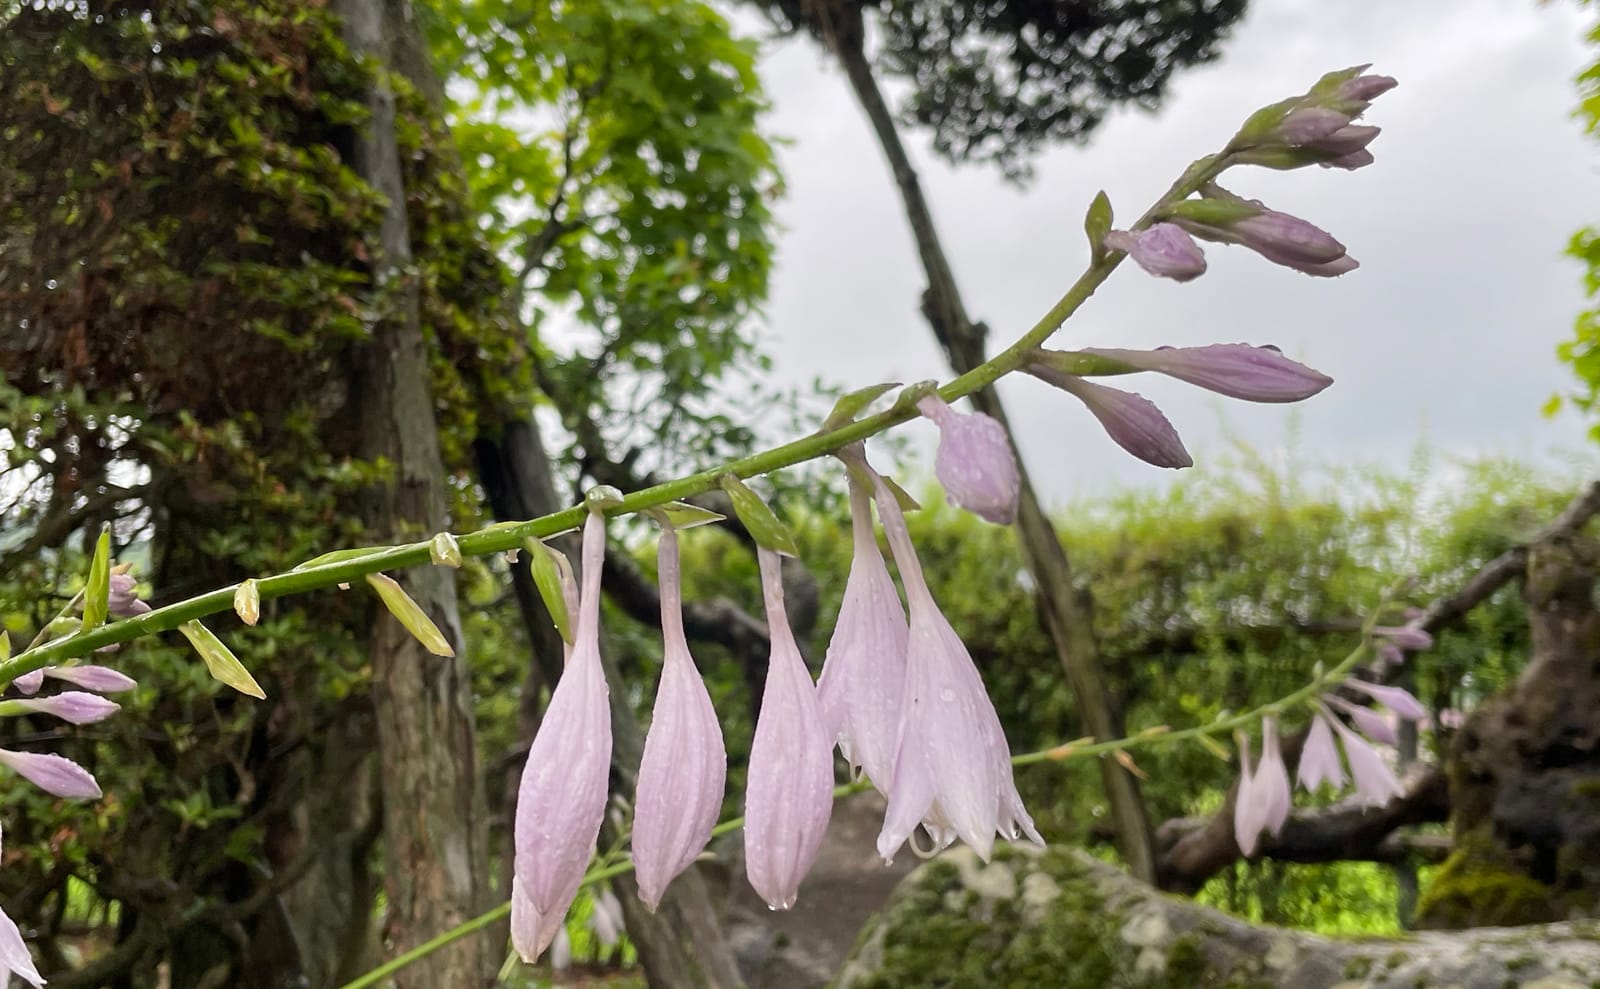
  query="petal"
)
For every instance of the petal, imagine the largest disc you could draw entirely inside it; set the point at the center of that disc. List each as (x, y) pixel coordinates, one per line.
(863, 675)
(685, 764)
(53, 774)
(789, 791)
(562, 797)
(76, 707)
(14, 956)
(101, 679)
(1319, 758)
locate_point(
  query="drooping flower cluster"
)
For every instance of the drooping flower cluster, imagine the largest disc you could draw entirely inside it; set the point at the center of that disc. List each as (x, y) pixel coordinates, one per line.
(1261, 802)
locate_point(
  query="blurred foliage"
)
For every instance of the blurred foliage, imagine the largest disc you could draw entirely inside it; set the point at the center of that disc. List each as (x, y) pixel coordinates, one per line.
(1583, 350)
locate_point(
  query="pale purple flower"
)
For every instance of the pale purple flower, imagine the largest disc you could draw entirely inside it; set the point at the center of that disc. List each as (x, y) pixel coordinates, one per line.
(561, 950)
(1278, 237)
(1360, 90)
(1350, 162)
(561, 800)
(685, 764)
(974, 462)
(953, 770)
(55, 775)
(1162, 249)
(1367, 721)
(14, 956)
(1397, 699)
(1408, 637)
(72, 706)
(101, 679)
(1238, 370)
(1262, 802)
(29, 683)
(1132, 421)
(124, 599)
(789, 790)
(864, 673)
(1307, 124)
(1319, 759)
(1375, 781)
(605, 920)
(1287, 240)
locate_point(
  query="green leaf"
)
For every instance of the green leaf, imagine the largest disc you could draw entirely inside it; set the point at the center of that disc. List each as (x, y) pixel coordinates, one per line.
(247, 601)
(682, 515)
(410, 614)
(97, 592)
(901, 495)
(547, 565)
(765, 527)
(849, 406)
(223, 665)
(1097, 223)
(5, 645)
(343, 555)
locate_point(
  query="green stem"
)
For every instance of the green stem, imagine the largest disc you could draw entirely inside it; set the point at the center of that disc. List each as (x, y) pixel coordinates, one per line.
(498, 539)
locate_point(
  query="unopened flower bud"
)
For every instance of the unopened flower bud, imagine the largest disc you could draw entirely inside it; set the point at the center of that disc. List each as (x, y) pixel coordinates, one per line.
(1132, 421)
(1238, 370)
(1162, 249)
(974, 463)
(76, 707)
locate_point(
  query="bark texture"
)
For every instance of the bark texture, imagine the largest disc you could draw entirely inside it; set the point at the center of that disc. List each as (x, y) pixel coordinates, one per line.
(1062, 919)
(435, 858)
(1525, 768)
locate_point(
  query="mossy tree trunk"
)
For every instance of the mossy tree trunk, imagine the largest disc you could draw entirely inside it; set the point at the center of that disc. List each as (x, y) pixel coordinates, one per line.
(1525, 768)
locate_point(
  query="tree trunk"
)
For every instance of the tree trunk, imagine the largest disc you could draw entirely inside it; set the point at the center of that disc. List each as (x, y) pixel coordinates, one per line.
(681, 945)
(1067, 611)
(1525, 768)
(434, 849)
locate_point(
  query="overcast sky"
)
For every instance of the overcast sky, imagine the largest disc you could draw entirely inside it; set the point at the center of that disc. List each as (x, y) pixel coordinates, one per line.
(1445, 334)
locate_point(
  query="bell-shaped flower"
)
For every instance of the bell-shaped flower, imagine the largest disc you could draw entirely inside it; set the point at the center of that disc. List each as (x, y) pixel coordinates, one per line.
(124, 598)
(55, 775)
(1238, 370)
(864, 673)
(974, 461)
(14, 956)
(28, 684)
(76, 707)
(1262, 801)
(1162, 249)
(1408, 637)
(1132, 421)
(685, 765)
(789, 789)
(1375, 782)
(953, 769)
(561, 800)
(1367, 721)
(1397, 699)
(1319, 758)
